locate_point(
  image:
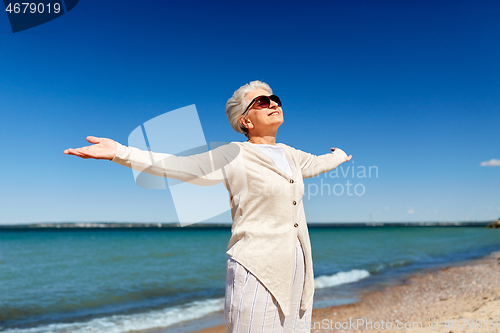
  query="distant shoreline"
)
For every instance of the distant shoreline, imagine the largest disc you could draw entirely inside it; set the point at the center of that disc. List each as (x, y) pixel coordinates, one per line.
(114, 225)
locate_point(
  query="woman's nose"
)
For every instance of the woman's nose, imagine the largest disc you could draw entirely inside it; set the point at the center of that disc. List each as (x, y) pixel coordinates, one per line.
(273, 105)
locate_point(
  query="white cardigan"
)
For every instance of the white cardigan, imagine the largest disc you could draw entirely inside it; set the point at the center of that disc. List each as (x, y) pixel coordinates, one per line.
(266, 204)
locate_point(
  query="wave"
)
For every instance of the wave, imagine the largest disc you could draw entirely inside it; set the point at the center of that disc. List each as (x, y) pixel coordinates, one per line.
(129, 322)
(339, 278)
(388, 265)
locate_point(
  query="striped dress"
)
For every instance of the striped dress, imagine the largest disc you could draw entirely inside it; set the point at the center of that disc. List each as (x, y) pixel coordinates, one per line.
(251, 308)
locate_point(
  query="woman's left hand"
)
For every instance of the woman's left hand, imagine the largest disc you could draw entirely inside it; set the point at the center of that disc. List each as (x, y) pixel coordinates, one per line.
(348, 157)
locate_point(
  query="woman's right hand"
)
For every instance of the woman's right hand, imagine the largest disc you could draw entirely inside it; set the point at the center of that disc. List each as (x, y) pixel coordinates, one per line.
(102, 149)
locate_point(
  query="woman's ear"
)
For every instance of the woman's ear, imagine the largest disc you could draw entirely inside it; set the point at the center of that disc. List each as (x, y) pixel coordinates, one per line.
(245, 122)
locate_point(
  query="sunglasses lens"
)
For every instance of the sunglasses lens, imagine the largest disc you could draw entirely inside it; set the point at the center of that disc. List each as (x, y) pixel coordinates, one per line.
(275, 99)
(263, 101)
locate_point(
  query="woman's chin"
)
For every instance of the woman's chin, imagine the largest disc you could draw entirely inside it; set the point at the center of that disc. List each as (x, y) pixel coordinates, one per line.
(276, 120)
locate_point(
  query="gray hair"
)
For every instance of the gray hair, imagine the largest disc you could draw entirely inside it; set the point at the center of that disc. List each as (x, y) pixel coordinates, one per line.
(237, 104)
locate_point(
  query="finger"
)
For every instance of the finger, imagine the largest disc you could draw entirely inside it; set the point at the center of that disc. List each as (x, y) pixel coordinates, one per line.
(93, 139)
(83, 149)
(80, 152)
(69, 151)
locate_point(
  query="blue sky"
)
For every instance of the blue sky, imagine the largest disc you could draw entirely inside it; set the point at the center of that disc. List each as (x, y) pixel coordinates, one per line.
(411, 88)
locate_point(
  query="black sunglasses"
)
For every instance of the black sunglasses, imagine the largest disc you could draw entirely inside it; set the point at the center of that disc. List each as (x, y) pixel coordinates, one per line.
(263, 101)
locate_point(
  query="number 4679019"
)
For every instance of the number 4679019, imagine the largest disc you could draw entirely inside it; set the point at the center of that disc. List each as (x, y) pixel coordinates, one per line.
(33, 8)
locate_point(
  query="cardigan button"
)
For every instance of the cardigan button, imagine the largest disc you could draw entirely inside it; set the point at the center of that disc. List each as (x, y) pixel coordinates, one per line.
(296, 225)
(291, 181)
(294, 202)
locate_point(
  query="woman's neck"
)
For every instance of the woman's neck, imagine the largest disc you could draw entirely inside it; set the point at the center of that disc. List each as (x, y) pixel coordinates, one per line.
(266, 140)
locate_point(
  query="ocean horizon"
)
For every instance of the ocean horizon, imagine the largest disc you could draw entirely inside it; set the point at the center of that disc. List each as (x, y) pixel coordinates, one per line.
(104, 224)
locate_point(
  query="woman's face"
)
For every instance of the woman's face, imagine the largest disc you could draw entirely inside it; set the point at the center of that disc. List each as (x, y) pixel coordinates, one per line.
(259, 119)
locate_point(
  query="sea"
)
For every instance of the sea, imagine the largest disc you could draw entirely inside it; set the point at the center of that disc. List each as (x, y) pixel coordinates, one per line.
(121, 280)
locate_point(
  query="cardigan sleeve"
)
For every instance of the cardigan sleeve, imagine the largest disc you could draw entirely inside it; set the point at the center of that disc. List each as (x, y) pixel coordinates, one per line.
(312, 165)
(200, 169)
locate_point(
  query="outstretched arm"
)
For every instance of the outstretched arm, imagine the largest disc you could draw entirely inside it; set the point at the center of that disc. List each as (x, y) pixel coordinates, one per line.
(200, 169)
(312, 165)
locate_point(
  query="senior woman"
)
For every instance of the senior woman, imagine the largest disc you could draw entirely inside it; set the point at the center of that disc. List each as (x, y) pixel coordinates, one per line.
(270, 280)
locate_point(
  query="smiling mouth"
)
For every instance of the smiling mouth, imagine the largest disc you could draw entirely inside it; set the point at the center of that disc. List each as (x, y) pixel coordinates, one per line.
(275, 113)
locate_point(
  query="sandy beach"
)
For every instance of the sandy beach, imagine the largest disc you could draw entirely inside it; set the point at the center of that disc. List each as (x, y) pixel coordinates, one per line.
(463, 298)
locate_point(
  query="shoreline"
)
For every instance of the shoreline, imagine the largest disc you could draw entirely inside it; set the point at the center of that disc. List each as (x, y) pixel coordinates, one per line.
(468, 290)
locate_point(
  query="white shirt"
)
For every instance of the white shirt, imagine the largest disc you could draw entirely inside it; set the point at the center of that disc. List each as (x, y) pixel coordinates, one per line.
(278, 156)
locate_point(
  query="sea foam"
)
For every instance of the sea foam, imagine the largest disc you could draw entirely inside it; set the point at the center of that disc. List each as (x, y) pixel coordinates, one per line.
(339, 278)
(140, 321)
